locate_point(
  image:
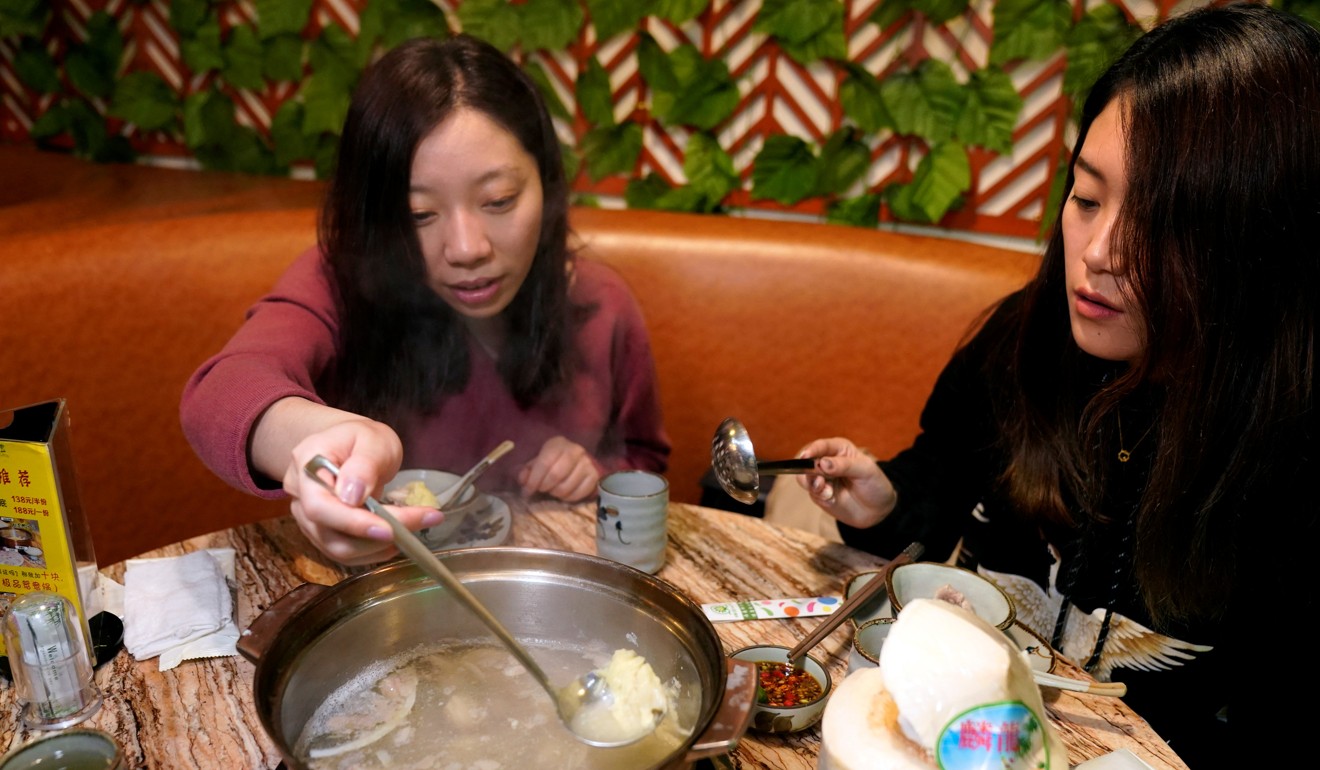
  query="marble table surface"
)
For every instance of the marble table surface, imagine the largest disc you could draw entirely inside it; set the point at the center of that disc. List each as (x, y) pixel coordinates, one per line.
(201, 714)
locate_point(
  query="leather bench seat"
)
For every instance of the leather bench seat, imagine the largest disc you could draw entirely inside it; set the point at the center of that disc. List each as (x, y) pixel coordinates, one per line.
(120, 280)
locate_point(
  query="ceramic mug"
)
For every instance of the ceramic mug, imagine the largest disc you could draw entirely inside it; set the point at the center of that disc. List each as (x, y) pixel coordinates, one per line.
(82, 749)
(632, 519)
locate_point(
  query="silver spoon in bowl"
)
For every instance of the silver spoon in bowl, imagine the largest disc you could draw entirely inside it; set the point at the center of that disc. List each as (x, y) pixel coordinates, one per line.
(456, 490)
(736, 466)
(583, 696)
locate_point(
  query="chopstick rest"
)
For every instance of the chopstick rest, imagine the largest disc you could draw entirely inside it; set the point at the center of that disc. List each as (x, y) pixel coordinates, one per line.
(180, 607)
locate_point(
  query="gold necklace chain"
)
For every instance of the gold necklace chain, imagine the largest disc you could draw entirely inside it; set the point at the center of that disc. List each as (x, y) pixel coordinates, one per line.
(1123, 453)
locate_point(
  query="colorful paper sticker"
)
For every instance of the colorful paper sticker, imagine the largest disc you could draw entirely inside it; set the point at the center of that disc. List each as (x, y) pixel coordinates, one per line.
(763, 609)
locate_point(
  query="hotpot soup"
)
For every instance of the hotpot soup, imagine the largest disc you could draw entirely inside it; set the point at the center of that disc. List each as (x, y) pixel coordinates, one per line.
(467, 706)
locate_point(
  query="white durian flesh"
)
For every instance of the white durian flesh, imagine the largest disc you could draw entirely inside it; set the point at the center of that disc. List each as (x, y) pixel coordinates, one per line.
(941, 667)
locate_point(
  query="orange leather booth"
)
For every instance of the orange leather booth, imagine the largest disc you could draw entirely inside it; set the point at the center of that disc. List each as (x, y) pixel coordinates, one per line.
(120, 280)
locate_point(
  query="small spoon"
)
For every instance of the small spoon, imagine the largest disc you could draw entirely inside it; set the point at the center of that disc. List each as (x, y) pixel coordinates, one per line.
(736, 467)
(587, 693)
(1111, 689)
(455, 491)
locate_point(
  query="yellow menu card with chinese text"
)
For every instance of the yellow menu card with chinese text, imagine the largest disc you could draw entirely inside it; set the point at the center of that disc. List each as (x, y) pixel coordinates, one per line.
(44, 538)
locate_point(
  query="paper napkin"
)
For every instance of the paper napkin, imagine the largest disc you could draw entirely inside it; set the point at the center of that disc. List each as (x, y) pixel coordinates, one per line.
(180, 607)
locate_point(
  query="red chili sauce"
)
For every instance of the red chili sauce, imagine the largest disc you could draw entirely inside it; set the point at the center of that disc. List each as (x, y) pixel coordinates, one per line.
(783, 686)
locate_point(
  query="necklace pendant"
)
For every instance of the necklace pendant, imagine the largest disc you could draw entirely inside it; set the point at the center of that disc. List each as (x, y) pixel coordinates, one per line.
(1124, 455)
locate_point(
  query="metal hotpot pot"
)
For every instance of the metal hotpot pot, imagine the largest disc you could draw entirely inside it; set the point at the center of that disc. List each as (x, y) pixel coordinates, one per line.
(317, 638)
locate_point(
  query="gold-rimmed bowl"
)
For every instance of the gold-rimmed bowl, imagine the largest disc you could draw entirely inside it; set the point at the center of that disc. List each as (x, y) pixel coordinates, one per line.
(877, 606)
(936, 580)
(868, 638)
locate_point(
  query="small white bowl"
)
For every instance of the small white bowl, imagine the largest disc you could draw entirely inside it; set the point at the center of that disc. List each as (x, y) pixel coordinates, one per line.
(927, 579)
(438, 482)
(867, 641)
(877, 607)
(1038, 651)
(785, 719)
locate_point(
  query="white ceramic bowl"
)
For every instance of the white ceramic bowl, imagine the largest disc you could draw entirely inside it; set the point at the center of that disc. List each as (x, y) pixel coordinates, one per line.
(785, 719)
(438, 482)
(877, 607)
(1039, 653)
(928, 580)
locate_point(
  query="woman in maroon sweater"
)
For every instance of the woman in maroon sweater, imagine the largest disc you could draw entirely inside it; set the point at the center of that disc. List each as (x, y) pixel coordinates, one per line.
(441, 313)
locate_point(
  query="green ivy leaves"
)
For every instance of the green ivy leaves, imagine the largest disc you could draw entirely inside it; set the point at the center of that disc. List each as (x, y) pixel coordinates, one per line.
(89, 71)
(942, 176)
(686, 89)
(1029, 29)
(1092, 45)
(807, 30)
(989, 111)
(711, 177)
(144, 99)
(25, 18)
(921, 109)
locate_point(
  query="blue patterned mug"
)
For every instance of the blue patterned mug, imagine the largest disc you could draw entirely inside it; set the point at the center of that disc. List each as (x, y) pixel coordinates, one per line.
(632, 519)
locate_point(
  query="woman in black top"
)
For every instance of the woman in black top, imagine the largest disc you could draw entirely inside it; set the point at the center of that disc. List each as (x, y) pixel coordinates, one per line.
(1128, 443)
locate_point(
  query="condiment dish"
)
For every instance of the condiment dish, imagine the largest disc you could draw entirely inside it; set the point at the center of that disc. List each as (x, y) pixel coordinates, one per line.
(772, 662)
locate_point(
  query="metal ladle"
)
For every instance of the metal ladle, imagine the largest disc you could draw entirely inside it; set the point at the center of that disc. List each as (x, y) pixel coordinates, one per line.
(736, 467)
(581, 696)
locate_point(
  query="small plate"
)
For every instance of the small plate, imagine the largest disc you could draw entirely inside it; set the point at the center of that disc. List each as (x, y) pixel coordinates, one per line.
(31, 551)
(1039, 653)
(486, 526)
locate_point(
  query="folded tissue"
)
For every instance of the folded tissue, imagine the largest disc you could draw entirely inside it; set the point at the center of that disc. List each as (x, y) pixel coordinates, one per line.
(180, 607)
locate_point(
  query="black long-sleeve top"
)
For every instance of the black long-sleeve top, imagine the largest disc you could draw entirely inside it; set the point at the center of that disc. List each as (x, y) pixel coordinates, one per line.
(949, 491)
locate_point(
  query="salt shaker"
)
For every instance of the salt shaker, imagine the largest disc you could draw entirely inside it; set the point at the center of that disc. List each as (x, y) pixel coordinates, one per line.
(51, 665)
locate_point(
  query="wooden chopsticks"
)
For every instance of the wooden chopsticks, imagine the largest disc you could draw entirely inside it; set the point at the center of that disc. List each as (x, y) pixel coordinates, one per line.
(863, 595)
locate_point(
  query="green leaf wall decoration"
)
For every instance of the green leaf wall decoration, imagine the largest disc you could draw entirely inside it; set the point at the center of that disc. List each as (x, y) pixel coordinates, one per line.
(616, 74)
(785, 170)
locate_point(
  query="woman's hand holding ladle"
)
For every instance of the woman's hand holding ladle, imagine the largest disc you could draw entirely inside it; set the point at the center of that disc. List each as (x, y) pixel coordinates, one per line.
(850, 486)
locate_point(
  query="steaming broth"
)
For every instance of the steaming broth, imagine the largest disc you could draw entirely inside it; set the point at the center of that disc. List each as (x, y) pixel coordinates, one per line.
(467, 707)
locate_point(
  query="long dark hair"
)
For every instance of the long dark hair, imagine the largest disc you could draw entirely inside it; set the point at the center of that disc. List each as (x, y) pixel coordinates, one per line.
(1217, 238)
(400, 344)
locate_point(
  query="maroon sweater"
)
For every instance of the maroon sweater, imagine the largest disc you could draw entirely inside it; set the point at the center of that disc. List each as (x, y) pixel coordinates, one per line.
(290, 337)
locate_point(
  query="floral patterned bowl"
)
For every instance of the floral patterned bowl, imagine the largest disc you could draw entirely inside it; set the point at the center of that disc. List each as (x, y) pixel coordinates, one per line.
(437, 482)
